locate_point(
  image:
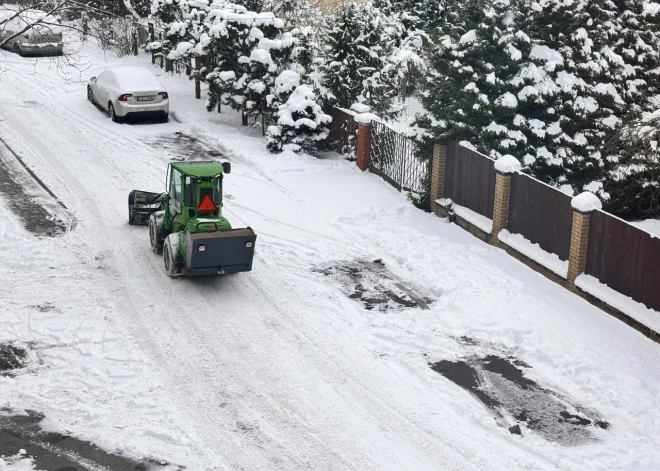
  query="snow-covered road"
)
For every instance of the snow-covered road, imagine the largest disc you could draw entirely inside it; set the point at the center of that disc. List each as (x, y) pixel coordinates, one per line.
(278, 368)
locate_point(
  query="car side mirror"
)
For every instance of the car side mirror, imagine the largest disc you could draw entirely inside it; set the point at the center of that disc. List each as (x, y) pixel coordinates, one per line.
(226, 167)
(93, 79)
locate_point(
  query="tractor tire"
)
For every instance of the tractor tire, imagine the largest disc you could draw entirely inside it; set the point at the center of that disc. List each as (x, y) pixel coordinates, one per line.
(169, 258)
(156, 234)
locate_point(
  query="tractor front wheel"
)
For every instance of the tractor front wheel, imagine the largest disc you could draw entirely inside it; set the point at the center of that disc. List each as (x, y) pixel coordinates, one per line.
(156, 236)
(169, 257)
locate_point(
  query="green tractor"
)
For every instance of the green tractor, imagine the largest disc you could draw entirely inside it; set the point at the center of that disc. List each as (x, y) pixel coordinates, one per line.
(186, 223)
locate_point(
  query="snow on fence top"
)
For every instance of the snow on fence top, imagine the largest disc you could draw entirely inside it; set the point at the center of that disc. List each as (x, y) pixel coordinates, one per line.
(586, 202)
(360, 108)
(366, 118)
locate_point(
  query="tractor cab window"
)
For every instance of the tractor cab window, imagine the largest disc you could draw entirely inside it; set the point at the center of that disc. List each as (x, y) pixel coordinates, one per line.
(217, 190)
(190, 191)
(175, 185)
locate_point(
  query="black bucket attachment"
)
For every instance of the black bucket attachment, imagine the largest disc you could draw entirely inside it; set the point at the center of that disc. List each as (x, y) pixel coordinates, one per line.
(142, 203)
(219, 252)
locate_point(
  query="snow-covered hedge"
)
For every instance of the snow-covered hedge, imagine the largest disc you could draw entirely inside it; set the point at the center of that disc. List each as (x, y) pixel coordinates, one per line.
(549, 82)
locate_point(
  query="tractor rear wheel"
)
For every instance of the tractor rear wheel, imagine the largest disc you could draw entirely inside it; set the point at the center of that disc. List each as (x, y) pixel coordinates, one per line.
(156, 236)
(169, 257)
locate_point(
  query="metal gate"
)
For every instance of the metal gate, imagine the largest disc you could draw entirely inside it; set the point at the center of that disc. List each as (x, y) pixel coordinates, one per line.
(393, 158)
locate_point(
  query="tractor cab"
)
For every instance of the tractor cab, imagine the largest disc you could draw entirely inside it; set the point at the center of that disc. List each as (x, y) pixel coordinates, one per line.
(195, 196)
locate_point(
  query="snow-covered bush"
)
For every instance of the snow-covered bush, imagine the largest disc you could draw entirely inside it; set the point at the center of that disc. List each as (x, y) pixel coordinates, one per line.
(300, 120)
(114, 34)
(547, 81)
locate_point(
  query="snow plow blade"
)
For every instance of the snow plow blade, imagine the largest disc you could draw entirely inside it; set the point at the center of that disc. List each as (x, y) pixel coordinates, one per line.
(141, 204)
(219, 252)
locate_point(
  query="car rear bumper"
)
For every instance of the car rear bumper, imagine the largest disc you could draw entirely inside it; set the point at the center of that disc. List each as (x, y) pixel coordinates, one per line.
(123, 109)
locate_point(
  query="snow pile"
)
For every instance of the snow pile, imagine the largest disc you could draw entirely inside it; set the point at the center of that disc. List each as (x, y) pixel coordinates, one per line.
(586, 202)
(621, 302)
(507, 164)
(16, 463)
(533, 251)
(474, 218)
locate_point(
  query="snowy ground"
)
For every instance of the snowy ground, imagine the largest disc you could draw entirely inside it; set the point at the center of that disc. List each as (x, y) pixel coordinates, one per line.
(286, 367)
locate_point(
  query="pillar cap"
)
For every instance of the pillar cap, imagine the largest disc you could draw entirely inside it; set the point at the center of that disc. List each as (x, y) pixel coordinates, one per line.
(586, 202)
(365, 118)
(507, 164)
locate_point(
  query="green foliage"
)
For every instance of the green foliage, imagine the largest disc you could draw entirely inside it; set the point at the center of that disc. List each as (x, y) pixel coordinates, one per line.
(548, 82)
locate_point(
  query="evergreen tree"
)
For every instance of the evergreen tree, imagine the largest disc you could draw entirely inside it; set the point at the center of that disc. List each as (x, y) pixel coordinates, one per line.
(367, 54)
(234, 35)
(300, 120)
(546, 81)
(423, 14)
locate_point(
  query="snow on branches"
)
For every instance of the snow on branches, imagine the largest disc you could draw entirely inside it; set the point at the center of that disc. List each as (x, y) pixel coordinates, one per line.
(300, 120)
(368, 55)
(547, 81)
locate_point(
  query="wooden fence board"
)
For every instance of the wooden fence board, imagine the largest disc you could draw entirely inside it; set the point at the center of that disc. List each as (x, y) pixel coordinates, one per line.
(343, 132)
(625, 258)
(470, 179)
(541, 214)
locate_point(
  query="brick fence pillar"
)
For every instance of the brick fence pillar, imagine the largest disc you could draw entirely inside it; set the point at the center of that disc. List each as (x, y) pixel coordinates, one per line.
(501, 204)
(577, 256)
(363, 148)
(438, 167)
(505, 167)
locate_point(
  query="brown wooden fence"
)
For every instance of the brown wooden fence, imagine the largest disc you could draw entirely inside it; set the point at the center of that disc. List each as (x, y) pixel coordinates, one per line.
(470, 179)
(541, 214)
(343, 131)
(625, 258)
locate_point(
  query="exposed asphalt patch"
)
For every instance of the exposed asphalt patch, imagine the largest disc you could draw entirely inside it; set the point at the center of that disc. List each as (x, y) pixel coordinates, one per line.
(60, 452)
(38, 209)
(373, 285)
(12, 357)
(515, 400)
(183, 147)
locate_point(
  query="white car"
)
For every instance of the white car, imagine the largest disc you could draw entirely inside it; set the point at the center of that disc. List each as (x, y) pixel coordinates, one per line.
(45, 38)
(129, 91)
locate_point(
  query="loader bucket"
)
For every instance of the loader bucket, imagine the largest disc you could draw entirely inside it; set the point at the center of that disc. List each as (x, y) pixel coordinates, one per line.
(219, 252)
(141, 204)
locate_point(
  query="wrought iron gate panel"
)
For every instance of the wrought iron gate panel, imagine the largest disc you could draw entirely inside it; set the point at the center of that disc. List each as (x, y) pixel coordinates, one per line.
(393, 158)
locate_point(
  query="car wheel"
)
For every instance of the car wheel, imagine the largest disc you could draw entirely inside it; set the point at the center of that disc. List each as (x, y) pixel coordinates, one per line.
(17, 49)
(90, 95)
(111, 112)
(165, 118)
